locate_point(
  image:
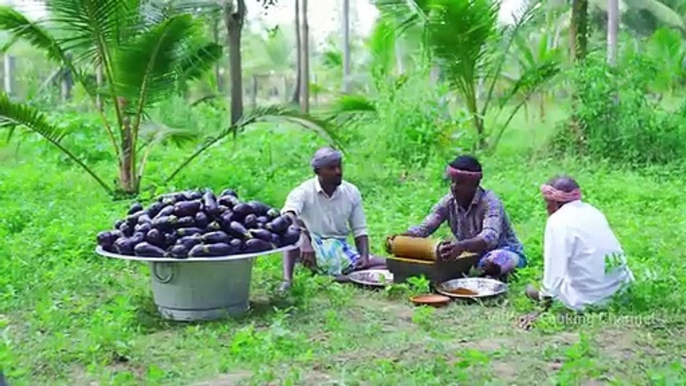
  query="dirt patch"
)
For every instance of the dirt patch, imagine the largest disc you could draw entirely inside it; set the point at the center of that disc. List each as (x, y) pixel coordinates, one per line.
(504, 370)
(400, 311)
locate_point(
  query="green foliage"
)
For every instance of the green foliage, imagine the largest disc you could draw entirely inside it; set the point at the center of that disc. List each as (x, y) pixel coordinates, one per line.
(618, 121)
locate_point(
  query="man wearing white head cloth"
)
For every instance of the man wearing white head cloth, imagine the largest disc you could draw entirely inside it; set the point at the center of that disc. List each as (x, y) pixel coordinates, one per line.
(584, 264)
(329, 209)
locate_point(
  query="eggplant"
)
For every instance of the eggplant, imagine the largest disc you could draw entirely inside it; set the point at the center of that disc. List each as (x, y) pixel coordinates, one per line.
(164, 212)
(213, 226)
(212, 250)
(170, 238)
(165, 222)
(155, 237)
(148, 250)
(201, 220)
(189, 241)
(276, 239)
(242, 210)
(237, 229)
(257, 245)
(250, 221)
(229, 192)
(154, 209)
(259, 208)
(106, 239)
(116, 234)
(263, 220)
(168, 200)
(228, 201)
(223, 209)
(216, 237)
(124, 246)
(144, 218)
(236, 244)
(132, 219)
(261, 234)
(138, 237)
(210, 203)
(187, 208)
(279, 224)
(185, 222)
(188, 231)
(273, 213)
(118, 223)
(144, 228)
(178, 251)
(290, 237)
(126, 229)
(135, 207)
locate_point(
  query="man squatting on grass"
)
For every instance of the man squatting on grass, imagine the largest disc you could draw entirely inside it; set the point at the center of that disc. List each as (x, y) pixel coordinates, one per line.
(584, 264)
(477, 219)
(328, 208)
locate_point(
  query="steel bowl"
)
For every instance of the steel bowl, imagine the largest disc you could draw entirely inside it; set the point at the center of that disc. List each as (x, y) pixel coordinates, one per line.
(372, 277)
(482, 287)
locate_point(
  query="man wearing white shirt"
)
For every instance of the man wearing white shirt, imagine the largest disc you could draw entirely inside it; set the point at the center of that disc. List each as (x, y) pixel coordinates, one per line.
(584, 264)
(328, 209)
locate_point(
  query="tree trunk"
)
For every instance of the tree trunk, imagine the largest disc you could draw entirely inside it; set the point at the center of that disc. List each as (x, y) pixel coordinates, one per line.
(346, 46)
(219, 77)
(128, 180)
(305, 75)
(298, 49)
(98, 81)
(234, 15)
(612, 31)
(10, 62)
(579, 29)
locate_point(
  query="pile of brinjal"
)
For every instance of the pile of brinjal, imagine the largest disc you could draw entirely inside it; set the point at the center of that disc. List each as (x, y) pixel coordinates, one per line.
(198, 223)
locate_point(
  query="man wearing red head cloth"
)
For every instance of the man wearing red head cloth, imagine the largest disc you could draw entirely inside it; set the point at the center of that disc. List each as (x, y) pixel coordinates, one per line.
(477, 219)
(584, 264)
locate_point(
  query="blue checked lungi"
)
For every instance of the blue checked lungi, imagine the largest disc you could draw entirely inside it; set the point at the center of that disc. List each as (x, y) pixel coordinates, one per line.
(334, 256)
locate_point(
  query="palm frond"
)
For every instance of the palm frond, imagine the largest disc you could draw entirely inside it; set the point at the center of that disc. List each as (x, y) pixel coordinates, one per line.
(20, 27)
(319, 126)
(19, 115)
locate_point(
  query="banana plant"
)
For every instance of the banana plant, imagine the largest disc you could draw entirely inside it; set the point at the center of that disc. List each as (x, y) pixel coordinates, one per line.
(146, 54)
(467, 41)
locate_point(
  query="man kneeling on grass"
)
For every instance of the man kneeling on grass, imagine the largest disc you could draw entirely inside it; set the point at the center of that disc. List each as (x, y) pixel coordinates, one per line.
(328, 208)
(584, 265)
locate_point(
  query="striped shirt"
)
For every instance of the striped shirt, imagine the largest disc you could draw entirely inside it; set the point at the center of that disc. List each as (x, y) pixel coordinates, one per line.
(485, 218)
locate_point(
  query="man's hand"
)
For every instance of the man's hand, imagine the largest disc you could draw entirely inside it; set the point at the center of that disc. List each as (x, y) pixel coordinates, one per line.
(362, 263)
(307, 255)
(450, 251)
(527, 321)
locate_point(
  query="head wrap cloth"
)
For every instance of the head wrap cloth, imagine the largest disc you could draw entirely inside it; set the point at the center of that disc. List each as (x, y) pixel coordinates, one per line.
(552, 194)
(324, 157)
(455, 173)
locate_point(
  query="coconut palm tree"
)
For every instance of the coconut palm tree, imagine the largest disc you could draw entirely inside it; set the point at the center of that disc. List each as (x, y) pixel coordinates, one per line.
(146, 52)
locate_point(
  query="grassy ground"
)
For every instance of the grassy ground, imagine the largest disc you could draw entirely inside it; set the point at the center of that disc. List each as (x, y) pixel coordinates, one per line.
(69, 317)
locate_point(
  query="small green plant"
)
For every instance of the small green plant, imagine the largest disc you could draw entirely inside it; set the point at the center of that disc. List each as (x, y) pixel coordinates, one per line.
(419, 285)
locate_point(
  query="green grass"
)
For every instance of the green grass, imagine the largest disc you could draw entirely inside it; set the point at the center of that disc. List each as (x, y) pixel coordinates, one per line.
(69, 317)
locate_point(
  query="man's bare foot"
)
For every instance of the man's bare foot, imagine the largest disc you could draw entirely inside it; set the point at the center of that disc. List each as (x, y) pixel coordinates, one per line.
(532, 293)
(284, 287)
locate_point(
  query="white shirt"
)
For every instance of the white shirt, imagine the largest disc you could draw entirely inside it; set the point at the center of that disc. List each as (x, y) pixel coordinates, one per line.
(328, 217)
(584, 263)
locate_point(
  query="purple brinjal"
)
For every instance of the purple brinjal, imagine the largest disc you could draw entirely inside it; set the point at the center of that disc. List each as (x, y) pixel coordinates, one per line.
(273, 213)
(185, 222)
(154, 209)
(212, 250)
(144, 218)
(259, 208)
(164, 212)
(229, 192)
(145, 227)
(213, 226)
(118, 223)
(148, 250)
(223, 209)
(138, 237)
(237, 229)
(155, 237)
(187, 208)
(263, 220)
(291, 236)
(242, 210)
(201, 220)
(170, 239)
(132, 219)
(178, 251)
(209, 201)
(250, 221)
(165, 223)
(189, 241)
(257, 245)
(106, 240)
(182, 232)
(135, 207)
(126, 229)
(216, 237)
(261, 234)
(279, 224)
(124, 246)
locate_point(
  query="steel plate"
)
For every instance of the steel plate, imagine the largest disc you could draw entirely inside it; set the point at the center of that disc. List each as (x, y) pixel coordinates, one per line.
(372, 277)
(484, 287)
